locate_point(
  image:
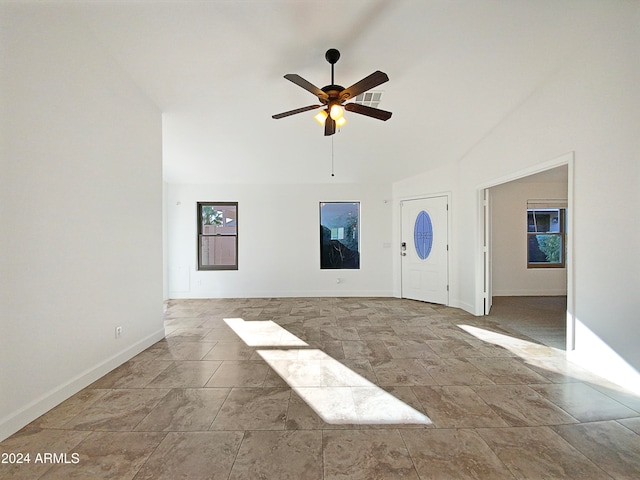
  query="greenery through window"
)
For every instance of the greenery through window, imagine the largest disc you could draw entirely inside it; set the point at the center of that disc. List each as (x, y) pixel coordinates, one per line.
(546, 237)
(217, 235)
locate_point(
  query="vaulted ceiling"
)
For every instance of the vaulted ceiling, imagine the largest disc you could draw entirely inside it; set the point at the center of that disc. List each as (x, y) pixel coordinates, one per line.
(457, 69)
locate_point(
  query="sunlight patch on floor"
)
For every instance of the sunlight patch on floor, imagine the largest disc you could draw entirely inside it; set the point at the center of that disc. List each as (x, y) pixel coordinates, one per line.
(335, 392)
(542, 356)
(522, 348)
(264, 333)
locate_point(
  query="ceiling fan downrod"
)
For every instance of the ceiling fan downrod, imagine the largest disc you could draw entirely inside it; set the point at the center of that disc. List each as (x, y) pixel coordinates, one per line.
(332, 57)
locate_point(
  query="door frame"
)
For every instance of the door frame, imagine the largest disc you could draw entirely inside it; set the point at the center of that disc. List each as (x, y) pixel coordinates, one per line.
(483, 268)
(449, 243)
(487, 292)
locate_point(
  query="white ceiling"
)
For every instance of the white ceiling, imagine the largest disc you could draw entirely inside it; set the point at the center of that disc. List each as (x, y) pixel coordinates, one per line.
(457, 68)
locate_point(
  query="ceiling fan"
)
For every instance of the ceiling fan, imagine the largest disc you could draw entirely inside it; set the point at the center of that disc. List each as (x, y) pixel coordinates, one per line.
(333, 97)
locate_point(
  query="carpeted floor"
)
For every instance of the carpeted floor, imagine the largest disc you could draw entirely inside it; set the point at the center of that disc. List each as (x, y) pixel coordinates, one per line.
(542, 319)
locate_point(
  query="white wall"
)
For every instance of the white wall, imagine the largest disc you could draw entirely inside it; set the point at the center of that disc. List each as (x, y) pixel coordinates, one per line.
(278, 234)
(590, 106)
(509, 241)
(80, 204)
(443, 180)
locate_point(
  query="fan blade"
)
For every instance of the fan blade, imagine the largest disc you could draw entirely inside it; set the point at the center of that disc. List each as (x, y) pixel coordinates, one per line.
(310, 87)
(297, 110)
(329, 126)
(368, 111)
(367, 83)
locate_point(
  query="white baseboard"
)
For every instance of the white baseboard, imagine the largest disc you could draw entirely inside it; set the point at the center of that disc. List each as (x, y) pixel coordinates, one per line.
(17, 420)
(530, 293)
(467, 307)
(288, 294)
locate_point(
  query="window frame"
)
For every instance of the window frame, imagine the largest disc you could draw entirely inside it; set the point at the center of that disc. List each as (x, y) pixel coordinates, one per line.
(562, 233)
(200, 235)
(325, 263)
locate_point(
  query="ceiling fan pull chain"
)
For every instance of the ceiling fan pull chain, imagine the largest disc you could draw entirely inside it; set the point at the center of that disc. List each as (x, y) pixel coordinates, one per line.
(332, 157)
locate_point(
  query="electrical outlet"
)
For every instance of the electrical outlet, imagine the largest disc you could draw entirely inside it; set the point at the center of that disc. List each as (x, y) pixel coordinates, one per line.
(118, 332)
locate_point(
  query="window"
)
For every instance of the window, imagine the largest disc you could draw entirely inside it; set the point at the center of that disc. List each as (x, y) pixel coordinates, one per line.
(217, 236)
(546, 237)
(340, 235)
(423, 235)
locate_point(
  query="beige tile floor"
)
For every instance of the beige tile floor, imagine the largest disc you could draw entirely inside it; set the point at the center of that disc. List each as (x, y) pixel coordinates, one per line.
(204, 404)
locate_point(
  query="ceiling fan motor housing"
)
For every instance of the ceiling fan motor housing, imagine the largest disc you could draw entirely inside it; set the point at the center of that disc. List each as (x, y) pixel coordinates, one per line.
(333, 92)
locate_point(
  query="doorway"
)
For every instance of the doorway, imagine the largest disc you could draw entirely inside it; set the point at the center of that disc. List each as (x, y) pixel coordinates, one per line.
(525, 294)
(542, 319)
(425, 249)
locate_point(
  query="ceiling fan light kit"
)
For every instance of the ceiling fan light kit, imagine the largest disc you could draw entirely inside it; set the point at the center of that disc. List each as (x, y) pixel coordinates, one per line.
(321, 117)
(336, 111)
(333, 97)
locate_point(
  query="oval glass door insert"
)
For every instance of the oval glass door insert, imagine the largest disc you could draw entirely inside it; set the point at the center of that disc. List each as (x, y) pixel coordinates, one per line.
(423, 235)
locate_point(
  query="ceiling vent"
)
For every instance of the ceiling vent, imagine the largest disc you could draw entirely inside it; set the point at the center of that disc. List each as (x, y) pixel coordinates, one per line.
(369, 99)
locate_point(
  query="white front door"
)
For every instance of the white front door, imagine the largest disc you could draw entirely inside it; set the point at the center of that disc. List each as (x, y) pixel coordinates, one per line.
(424, 250)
